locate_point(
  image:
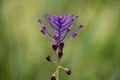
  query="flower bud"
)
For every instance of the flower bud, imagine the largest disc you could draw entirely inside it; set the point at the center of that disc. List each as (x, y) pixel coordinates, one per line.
(76, 17)
(80, 26)
(40, 21)
(61, 46)
(49, 58)
(54, 46)
(74, 34)
(68, 71)
(53, 77)
(60, 54)
(43, 30)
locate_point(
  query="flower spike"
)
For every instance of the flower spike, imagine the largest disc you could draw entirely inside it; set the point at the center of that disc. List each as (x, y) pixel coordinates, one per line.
(61, 28)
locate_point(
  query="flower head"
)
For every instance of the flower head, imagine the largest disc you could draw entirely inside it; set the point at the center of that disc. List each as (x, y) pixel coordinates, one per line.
(61, 27)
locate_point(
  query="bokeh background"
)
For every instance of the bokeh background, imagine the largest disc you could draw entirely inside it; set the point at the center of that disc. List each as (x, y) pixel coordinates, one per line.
(93, 55)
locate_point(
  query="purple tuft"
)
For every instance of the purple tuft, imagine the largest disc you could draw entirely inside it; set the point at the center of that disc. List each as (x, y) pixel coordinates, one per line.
(61, 26)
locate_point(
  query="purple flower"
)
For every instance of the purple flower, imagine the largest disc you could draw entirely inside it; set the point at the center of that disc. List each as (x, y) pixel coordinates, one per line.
(61, 27)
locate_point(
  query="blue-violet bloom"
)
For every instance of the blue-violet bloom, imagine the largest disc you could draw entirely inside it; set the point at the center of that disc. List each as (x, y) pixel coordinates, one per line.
(61, 27)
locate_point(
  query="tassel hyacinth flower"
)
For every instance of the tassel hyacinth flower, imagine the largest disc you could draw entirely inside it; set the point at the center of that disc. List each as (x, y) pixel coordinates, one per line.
(61, 29)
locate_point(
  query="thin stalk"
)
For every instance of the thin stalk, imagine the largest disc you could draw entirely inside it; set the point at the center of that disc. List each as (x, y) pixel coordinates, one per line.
(57, 70)
(57, 67)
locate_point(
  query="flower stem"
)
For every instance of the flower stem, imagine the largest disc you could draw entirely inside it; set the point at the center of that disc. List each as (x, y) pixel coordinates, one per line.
(58, 63)
(57, 69)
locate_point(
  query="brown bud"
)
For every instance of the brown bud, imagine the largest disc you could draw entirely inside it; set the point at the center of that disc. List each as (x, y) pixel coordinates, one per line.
(49, 58)
(68, 71)
(60, 54)
(61, 46)
(53, 77)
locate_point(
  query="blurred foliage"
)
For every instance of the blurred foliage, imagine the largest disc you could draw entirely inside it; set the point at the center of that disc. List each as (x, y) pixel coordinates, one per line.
(93, 55)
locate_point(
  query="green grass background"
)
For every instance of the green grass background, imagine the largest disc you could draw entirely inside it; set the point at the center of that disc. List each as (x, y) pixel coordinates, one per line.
(93, 55)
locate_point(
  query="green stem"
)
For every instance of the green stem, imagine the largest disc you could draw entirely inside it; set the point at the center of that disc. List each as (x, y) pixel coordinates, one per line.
(62, 67)
(57, 66)
(57, 70)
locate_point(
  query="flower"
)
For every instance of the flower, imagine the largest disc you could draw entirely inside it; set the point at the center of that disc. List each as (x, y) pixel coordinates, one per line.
(61, 27)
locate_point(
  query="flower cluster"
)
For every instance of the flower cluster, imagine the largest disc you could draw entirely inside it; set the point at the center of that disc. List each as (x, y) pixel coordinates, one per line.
(61, 29)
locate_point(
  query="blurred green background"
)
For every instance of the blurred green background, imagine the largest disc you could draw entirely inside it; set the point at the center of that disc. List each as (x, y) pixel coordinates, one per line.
(93, 55)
